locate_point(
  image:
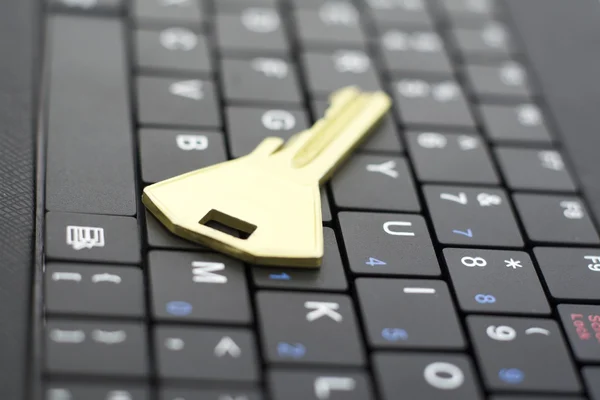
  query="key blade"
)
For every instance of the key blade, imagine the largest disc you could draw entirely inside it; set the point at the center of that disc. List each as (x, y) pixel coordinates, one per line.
(348, 121)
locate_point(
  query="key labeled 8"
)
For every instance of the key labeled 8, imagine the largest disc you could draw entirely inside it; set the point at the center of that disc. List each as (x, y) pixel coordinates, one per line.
(473, 262)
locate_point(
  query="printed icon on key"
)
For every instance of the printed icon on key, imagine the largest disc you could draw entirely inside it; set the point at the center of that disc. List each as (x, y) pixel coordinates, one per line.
(270, 197)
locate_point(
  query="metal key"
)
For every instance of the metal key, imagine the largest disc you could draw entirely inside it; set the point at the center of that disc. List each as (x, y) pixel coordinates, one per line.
(271, 196)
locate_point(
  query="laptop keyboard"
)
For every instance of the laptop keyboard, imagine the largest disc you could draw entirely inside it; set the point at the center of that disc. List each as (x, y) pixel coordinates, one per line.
(460, 259)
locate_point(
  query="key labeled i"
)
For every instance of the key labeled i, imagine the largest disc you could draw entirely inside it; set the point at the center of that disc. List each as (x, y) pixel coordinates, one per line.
(271, 196)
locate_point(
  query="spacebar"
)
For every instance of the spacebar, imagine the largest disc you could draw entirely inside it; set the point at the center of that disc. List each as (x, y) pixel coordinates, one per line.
(90, 167)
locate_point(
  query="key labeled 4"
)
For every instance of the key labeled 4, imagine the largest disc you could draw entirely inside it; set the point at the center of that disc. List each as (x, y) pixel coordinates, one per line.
(271, 196)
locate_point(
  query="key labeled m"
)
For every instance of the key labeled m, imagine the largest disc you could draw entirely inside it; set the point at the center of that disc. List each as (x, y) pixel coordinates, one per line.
(204, 272)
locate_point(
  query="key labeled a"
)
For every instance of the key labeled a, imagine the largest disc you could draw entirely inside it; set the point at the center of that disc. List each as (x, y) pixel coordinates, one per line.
(270, 197)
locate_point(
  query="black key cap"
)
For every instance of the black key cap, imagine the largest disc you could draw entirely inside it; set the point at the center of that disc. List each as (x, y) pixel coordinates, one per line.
(247, 127)
(89, 290)
(265, 80)
(375, 183)
(166, 101)
(237, 5)
(399, 13)
(169, 12)
(385, 138)
(535, 398)
(465, 216)
(402, 313)
(490, 41)
(396, 244)
(334, 24)
(319, 385)
(556, 219)
(592, 380)
(432, 103)
(159, 237)
(312, 4)
(522, 354)
(89, 119)
(209, 394)
(465, 11)
(534, 169)
(414, 51)
(325, 206)
(93, 7)
(212, 354)
(87, 237)
(96, 348)
(520, 124)
(329, 277)
(507, 81)
(293, 327)
(496, 281)
(582, 324)
(59, 390)
(167, 153)
(451, 158)
(254, 30)
(198, 287)
(426, 376)
(329, 72)
(173, 49)
(571, 274)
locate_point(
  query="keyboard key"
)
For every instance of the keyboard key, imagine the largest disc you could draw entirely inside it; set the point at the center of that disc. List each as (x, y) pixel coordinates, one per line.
(388, 244)
(534, 169)
(97, 7)
(247, 127)
(159, 237)
(394, 313)
(309, 328)
(582, 324)
(592, 380)
(319, 385)
(384, 138)
(334, 24)
(312, 4)
(507, 81)
(59, 390)
(490, 41)
(198, 287)
(399, 13)
(89, 119)
(266, 80)
(212, 354)
(522, 354)
(166, 101)
(496, 281)
(467, 10)
(571, 274)
(534, 398)
(210, 394)
(426, 376)
(96, 348)
(325, 205)
(556, 219)
(375, 182)
(238, 5)
(329, 72)
(330, 276)
(432, 103)
(85, 237)
(472, 217)
(520, 124)
(168, 153)
(442, 157)
(253, 30)
(90, 290)
(174, 49)
(414, 51)
(172, 12)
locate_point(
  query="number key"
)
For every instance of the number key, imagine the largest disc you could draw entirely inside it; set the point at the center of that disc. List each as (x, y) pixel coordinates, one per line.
(451, 158)
(496, 281)
(508, 80)
(521, 123)
(490, 41)
(465, 216)
(399, 13)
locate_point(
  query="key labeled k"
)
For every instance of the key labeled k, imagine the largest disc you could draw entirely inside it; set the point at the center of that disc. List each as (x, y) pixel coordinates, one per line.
(321, 309)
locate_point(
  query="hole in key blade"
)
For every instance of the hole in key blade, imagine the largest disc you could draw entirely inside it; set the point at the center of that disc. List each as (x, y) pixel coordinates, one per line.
(228, 224)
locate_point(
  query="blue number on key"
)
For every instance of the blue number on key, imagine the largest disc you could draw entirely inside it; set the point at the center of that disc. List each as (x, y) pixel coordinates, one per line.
(179, 308)
(511, 375)
(467, 233)
(295, 350)
(280, 277)
(485, 298)
(373, 262)
(394, 334)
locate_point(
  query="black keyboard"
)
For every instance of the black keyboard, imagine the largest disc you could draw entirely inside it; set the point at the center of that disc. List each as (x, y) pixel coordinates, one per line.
(460, 258)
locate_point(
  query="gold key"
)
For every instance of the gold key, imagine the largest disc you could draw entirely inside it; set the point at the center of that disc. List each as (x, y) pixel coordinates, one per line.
(271, 195)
